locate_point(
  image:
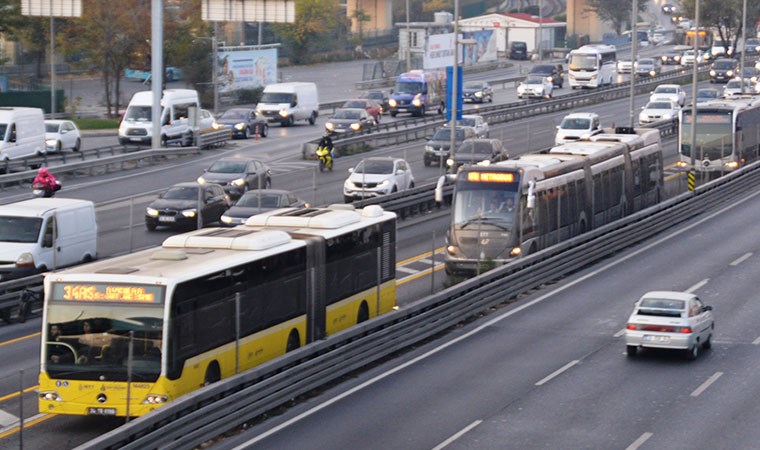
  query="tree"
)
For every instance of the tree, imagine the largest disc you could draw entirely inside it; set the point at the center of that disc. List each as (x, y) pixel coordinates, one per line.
(316, 20)
(617, 12)
(723, 15)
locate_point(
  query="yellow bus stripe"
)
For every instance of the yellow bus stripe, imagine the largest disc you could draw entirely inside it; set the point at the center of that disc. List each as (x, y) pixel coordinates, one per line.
(16, 394)
(20, 339)
(35, 421)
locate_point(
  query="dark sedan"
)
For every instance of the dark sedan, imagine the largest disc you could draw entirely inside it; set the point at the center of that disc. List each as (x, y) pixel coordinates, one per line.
(473, 151)
(670, 58)
(555, 74)
(477, 92)
(244, 123)
(256, 202)
(178, 207)
(237, 175)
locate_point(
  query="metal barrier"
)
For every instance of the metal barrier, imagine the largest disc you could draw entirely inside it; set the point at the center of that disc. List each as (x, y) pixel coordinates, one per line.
(15, 297)
(209, 412)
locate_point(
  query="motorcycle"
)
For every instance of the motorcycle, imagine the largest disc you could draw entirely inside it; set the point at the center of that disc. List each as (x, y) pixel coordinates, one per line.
(325, 159)
(44, 191)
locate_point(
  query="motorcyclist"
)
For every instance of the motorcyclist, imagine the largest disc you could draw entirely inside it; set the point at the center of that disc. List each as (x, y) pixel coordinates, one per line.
(47, 180)
(326, 142)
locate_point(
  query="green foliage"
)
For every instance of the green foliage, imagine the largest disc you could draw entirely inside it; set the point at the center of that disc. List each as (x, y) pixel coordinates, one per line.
(617, 12)
(317, 21)
(724, 15)
(97, 124)
(248, 96)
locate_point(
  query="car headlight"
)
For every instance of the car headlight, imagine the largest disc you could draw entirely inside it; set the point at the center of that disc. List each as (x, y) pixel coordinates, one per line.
(330, 126)
(478, 94)
(712, 73)
(348, 184)
(428, 148)
(664, 58)
(450, 162)
(51, 142)
(452, 249)
(667, 116)
(417, 101)
(540, 89)
(385, 183)
(201, 180)
(240, 182)
(356, 126)
(151, 212)
(216, 126)
(239, 126)
(189, 213)
(283, 113)
(25, 259)
(730, 73)
(392, 103)
(676, 58)
(226, 219)
(652, 73)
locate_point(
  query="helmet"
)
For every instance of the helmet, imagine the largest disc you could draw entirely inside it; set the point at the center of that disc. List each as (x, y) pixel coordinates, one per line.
(42, 171)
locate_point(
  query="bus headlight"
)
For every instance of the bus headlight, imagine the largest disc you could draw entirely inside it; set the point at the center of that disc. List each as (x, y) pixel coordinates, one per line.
(731, 165)
(515, 251)
(50, 396)
(189, 213)
(155, 399)
(452, 250)
(151, 212)
(392, 103)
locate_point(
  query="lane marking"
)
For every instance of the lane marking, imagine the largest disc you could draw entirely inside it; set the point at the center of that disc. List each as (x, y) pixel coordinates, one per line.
(16, 394)
(418, 257)
(557, 372)
(697, 286)
(619, 333)
(419, 275)
(457, 435)
(756, 341)
(638, 442)
(706, 384)
(426, 261)
(20, 339)
(7, 419)
(740, 259)
(28, 423)
(406, 269)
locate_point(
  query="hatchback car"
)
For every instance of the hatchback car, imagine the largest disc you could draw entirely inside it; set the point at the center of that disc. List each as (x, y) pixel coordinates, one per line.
(555, 74)
(62, 134)
(752, 47)
(535, 86)
(722, 70)
(672, 92)
(672, 320)
(243, 122)
(380, 97)
(377, 176)
(238, 175)
(656, 110)
(705, 95)
(477, 92)
(259, 201)
(734, 88)
(577, 125)
(178, 207)
(477, 122)
(349, 119)
(647, 67)
(438, 147)
(373, 108)
(518, 50)
(473, 151)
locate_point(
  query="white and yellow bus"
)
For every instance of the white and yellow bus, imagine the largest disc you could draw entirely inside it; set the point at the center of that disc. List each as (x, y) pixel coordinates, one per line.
(125, 335)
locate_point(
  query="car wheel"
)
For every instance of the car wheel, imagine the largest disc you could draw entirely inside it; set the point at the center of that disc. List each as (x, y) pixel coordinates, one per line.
(427, 162)
(631, 350)
(693, 352)
(291, 121)
(78, 145)
(246, 133)
(58, 147)
(707, 345)
(312, 119)
(411, 185)
(264, 131)
(150, 226)
(163, 141)
(268, 183)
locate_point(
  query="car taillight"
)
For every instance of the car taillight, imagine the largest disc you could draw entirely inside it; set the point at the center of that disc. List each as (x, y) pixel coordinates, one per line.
(684, 330)
(632, 326)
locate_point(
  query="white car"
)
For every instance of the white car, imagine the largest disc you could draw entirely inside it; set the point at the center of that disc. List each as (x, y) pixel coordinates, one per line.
(657, 110)
(377, 176)
(62, 134)
(206, 121)
(535, 86)
(672, 92)
(624, 66)
(667, 319)
(576, 126)
(477, 122)
(688, 58)
(734, 88)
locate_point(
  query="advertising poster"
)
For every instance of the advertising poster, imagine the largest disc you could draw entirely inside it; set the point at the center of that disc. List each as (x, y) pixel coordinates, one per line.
(246, 69)
(484, 48)
(439, 51)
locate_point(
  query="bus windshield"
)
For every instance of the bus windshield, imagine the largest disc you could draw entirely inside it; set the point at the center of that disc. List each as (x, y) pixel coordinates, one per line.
(408, 87)
(583, 62)
(714, 135)
(483, 205)
(91, 342)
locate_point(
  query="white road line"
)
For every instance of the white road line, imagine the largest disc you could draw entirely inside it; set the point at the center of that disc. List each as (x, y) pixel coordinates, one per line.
(406, 269)
(638, 442)
(698, 285)
(706, 384)
(457, 435)
(740, 259)
(7, 419)
(756, 341)
(619, 333)
(557, 372)
(425, 260)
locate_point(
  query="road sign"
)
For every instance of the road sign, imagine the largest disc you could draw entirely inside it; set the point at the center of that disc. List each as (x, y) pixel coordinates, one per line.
(449, 89)
(279, 11)
(59, 8)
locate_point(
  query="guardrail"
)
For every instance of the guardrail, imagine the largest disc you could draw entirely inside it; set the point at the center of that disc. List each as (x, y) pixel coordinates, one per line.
(209, 412)
(14, 297)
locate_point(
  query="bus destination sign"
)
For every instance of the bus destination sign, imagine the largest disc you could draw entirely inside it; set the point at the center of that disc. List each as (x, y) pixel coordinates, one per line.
(491, 177)
(104, 292)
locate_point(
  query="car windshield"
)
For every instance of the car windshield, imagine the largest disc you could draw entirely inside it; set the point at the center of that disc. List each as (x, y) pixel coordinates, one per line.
(474, 85)
(235, 114)
(534, 80)
(139, 113)
(707, 94)
(659, 105)
(543, 70)
(665, 90)
(375, 166)
(646, 62)
(355, 104)
(181, 193)
(222, 166)
(276, 97)
(734, 84)
(574, 123)
(267, 200)
(51, 127)
(442, 134)
(467, 121)
(723, 65)
(19, 229)
(408, 87)
(374, 95)
(346, 114)
(470, 147)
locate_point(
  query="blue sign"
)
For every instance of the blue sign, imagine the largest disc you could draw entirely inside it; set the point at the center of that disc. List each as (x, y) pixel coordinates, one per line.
(449, 89)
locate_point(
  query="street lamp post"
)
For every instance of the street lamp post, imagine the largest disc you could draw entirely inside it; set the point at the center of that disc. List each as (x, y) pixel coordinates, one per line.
(215, 69)
(454, 89)
(634, 44)
(408, 40)
(694, 79)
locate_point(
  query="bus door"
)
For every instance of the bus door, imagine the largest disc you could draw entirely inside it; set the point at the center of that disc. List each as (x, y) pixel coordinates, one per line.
(315, 286)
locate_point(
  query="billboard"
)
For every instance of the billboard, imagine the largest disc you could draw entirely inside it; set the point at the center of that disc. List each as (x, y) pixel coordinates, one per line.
(46, 8)
(281, 11)
(482, 50)
(439, 51)
(246, 69)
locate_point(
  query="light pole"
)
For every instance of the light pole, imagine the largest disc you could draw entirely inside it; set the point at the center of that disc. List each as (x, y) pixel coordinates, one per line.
(744, 39)
(634, 43)
(52, 61)
(694, 79)
(157, 67)
(408, 40)
(454, 89)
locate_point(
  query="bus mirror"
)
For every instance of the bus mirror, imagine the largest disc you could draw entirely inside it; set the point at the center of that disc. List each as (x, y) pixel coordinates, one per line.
(531, 194)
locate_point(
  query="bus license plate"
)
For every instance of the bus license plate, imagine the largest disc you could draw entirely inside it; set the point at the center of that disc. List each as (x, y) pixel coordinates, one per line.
(166, 218)
(101, 411)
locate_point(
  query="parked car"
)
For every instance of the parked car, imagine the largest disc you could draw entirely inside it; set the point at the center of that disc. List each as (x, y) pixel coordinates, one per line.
(438, 147)
(734, 88)
(178, 207)
(376, 176)
(656, 110)
(722, 70)
(349, 119)
(477, 122)
(555, 74)
(238, 175)
(259, 201)
(518, 50)
(670, 58)
(473, 151)
(670, 320)
(672, 92)
(477, 92)
(373, 108)
(535, 86)
(647, 67)
(244, 123)
(624, 66)
(705, 95)
(62, 134)
(380, 97)
(577, 125)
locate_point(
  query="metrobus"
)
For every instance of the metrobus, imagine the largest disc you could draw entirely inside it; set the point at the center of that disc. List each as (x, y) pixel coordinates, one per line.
(125, 335)
(592, 66)
(703, 37)
(549, 197)
(727, 134)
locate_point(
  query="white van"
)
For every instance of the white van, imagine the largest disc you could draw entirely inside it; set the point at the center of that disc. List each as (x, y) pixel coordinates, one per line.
(22, 132)
(137, 125)
(287, 102)
(45, 234)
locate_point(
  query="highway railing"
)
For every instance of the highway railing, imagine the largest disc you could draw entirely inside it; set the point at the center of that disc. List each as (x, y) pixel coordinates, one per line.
(216, 409)
(18, 297)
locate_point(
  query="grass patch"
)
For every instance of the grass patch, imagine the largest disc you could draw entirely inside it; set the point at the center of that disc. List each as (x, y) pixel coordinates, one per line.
(97, 124)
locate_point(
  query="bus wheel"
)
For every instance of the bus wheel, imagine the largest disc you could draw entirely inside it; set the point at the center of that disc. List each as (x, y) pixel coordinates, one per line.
(293, 342)
(213, 374)
(363, 315)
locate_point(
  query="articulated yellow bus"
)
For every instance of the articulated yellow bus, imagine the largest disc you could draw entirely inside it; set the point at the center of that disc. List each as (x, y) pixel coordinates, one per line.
(125, 335)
